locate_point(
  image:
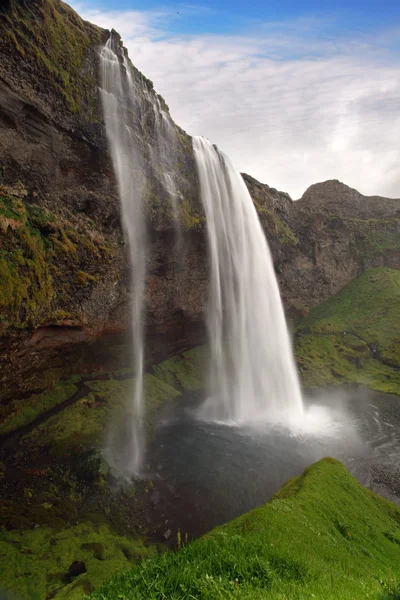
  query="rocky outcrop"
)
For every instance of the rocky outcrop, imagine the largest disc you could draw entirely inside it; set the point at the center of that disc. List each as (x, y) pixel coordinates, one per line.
(341, 233)
(325, 239)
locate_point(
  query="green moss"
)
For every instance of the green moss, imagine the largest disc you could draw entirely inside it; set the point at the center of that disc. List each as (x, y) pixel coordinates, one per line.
(286, 235)
(25, 411)
(274, 224)
(83, 424)
(186, 371)
(83, 278)
(26, 289)
(35, 563)
(156, 392)
(41, 254)
(322, 536)
(53, 37)
(190, 218)
(354, 336)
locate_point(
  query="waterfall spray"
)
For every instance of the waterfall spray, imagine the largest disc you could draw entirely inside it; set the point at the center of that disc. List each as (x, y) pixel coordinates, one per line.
(119, 113)
(131, 112)
(252, 371)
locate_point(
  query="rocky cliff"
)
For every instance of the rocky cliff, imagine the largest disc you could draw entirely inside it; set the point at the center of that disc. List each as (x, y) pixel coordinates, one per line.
(63, 261)
(325, 239)
(64, 277)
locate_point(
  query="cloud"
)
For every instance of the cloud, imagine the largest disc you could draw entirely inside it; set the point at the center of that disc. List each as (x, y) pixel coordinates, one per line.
(291, 103)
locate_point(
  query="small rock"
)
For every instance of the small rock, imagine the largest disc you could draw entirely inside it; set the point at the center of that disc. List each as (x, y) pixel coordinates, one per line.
(167, 534)
(77, 568)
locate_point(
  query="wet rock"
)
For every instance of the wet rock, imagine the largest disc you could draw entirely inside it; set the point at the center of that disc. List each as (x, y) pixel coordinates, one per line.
(115, 477)
(76, 568)
(155, 498)
(104, 467)
(87, 465)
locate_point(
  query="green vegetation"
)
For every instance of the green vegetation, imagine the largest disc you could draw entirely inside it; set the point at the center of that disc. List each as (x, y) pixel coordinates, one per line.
(41, 252)
(322, 536)
(275, 225)
(190, 217)
(354, 336)
(186, 371)
(25, 411)
(25, 283)
(54, 38)
(61, 510)
(37, 563)
(286, 235)
(373, 237)
(82, 425)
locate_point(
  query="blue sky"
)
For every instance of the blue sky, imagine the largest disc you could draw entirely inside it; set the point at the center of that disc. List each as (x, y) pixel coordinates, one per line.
(294, 91)
(228, 15)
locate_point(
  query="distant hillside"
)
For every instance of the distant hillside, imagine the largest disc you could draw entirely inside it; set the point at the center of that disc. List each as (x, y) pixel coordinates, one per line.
(354, 336)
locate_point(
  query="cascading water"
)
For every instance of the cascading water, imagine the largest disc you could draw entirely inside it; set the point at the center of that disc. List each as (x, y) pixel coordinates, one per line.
(252, 371)
(119, 108)
(144, 145)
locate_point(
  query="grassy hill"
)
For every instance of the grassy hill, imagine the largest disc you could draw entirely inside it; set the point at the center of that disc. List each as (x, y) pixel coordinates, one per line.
(322, 536)
(354, 336)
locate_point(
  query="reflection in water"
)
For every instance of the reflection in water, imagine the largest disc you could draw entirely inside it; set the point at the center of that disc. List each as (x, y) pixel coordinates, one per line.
(207, 473)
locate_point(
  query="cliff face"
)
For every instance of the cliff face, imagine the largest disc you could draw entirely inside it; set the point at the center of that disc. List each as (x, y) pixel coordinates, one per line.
(326, 239)
(64, 275)
(63, 261)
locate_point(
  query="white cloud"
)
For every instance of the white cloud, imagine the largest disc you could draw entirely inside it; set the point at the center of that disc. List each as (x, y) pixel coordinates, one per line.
(290, 104)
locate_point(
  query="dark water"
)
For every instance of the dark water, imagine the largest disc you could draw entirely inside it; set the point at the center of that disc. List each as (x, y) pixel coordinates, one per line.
(206, 473)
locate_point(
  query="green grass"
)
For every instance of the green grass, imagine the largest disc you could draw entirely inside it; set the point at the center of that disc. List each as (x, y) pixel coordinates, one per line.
(354, 336)
(322, 536)
(35, 563)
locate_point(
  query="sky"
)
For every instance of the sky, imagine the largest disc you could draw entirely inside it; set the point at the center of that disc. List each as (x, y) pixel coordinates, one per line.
(294, 91)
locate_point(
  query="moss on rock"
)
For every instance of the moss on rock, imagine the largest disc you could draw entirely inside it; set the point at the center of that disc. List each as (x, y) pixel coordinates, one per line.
(186, 371)
(25, 411)
(41, 253)
(83, 424)
(54, 38)
(38, 563)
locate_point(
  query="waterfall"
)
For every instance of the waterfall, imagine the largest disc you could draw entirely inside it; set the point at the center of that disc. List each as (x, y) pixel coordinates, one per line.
(144, 148)
(120, 115)
(252, 370)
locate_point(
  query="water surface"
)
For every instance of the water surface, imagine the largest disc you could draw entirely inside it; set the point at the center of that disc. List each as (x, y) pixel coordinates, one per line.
(206, 473)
